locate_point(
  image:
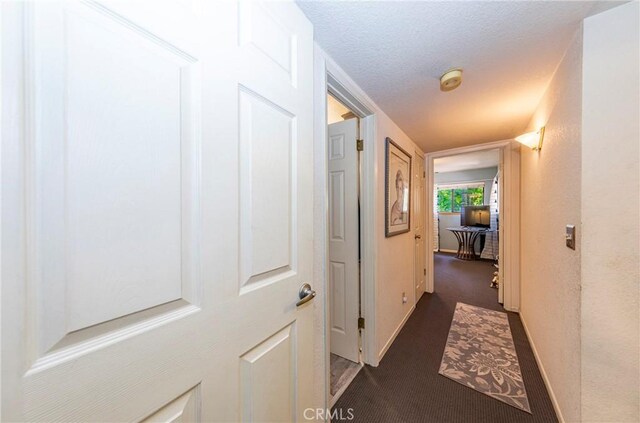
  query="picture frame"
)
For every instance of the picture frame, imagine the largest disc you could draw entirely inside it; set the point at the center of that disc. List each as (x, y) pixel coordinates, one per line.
(397, 198)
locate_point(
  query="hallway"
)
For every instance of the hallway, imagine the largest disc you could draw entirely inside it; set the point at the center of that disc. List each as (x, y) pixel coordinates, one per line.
(406, 387)
(227, 211)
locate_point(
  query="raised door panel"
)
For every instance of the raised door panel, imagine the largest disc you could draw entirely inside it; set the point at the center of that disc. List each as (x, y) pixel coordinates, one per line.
(106, 176)
(337, 206)
(122, 174)
(267, 191)
(261, 30)
(336, 147)
(112, 181)
(268, 382)
(338, 292)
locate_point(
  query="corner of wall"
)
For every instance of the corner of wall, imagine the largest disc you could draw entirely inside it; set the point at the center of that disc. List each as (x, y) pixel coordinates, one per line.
(610, 332)
(549, 271)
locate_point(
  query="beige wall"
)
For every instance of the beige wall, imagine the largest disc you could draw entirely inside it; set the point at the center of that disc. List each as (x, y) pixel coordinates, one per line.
(610, 187)
(550, 199)
(395, 254)
(581, 307)
(335, 110)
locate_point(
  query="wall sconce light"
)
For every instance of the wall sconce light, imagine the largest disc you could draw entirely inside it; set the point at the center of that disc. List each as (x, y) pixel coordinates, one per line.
(533, 140)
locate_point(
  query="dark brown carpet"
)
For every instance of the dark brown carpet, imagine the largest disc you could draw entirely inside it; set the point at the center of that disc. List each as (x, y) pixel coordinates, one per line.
(406, 387)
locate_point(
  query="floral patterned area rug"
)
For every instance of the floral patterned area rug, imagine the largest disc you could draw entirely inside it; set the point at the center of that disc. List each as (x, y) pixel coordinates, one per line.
(480, 354)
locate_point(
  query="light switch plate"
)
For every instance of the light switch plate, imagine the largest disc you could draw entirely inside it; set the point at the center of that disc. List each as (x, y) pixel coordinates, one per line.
(570, 237)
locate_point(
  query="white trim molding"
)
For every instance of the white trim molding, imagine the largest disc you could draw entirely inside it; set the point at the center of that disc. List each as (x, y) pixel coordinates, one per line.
(510, 227)
(329, 77)
(393, 337)
(509, 291)
(445, 250)
(342, 86)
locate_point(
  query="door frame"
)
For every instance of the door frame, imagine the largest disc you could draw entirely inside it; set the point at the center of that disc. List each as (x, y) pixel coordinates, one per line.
(330, 78)
(509, 215)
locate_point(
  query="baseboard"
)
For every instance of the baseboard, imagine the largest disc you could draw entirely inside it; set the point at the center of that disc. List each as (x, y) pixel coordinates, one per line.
(554, 400)
(444, 250)
(395, 334)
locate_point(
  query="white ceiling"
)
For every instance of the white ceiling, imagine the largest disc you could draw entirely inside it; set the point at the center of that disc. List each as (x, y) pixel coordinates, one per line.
(397, 50)
(475, 160)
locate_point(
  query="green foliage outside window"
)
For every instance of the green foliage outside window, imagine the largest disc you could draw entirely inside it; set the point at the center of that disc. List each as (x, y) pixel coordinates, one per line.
(452, 199)
(476, 196)
(444, 199)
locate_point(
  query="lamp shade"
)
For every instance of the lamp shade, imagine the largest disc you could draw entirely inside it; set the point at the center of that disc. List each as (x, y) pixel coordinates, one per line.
(533, 140)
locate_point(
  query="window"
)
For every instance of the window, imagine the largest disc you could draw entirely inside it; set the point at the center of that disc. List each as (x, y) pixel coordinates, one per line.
(451, 198)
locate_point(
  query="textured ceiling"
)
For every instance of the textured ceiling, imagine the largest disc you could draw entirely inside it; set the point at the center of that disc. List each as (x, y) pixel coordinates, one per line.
(473, 160)
(397, 50)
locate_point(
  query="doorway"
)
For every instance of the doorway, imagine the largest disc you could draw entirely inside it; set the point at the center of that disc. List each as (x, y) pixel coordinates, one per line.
(330, 79)
(501, 226)
(466, 223)
(344, 248)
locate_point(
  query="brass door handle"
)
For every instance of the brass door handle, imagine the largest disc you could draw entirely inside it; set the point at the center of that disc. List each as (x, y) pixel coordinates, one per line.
(306, 294)
(418, 237)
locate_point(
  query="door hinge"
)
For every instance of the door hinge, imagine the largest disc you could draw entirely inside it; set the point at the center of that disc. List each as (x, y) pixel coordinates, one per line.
(424, 173)
(360, 322)
(360, 145)
(425, 271)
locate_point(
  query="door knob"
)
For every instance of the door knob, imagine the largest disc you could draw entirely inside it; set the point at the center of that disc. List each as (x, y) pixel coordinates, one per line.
(306, 294)
(418, 237)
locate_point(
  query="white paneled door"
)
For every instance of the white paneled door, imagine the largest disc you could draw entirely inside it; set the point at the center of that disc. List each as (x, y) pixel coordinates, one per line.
(343, 273)
(418, 218)
(156, 211)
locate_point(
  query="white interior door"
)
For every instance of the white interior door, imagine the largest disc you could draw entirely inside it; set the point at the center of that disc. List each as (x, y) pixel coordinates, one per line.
(156, 213)
(419, 215)
(344, 283)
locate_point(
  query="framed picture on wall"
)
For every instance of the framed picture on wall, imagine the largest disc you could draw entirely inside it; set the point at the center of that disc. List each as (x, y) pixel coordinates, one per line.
(397, 189)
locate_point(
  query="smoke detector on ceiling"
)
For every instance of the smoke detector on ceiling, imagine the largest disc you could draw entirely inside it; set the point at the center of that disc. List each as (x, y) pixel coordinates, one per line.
(451, 79)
